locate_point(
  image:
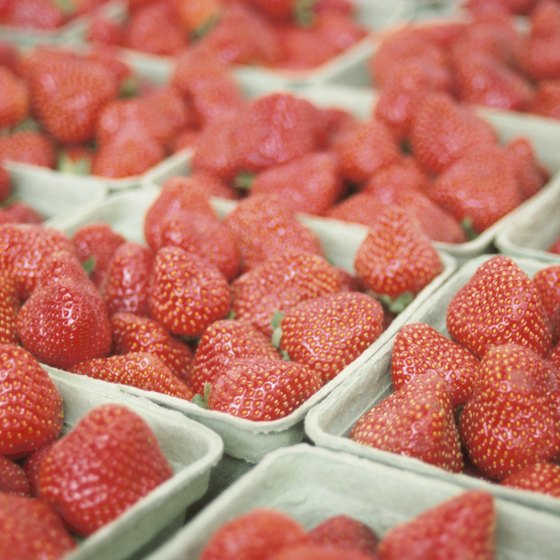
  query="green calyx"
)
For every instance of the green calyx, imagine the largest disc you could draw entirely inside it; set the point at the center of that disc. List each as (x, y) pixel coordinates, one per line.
(275, 323)
(244, 180)
(304, 12)
(396, 305)
(202, 400)
(80, 166)
(89, 265)
(467, 226)
(205, 28)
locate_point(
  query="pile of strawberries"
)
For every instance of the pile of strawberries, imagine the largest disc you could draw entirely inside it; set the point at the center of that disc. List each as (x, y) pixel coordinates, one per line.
(487, 61)
(53, 486)
(460, 527)
(288, 34)
(486, 399)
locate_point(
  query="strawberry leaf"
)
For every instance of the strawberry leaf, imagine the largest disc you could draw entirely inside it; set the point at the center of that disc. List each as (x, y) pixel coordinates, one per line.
(205, 28)
(467, 226)
(202, 400)
(396, 305)
(275, 323)
(89, 265)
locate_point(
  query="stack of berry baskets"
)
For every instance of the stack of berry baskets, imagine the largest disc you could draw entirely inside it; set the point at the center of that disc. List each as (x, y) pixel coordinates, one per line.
(482, 304)
(243, 438)
(315, 497)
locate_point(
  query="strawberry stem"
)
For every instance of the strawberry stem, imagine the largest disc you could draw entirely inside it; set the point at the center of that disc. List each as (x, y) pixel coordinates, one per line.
(244, 180)
(304, 12)
(467, 226)
(89, 265)
(275, 323)
(202, 400)
(396, 305)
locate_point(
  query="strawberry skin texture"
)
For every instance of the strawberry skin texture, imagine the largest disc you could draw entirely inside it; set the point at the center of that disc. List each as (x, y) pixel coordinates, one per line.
(547, 282)
(13, 479)
(320, 552)
(34, 148)
(31, 530)
(263, 390)
(458, 528)
(416, 421)
(498, 304)
(187, 292)
(345, 532)
(540, 477)
(31, 411)
(137, 369)
(419, 349)
(111, 454)
(329, 332)
(510, 422)
(9, 308)
(14, 105)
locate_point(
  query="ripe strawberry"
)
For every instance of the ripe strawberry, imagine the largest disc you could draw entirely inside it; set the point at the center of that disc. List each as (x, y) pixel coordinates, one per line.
(403, 176)
(280, 283)
(419, 350)
(396, 257)
(34, 148)
(112, 454)
(329, 332)
(360, 208)
(32, 466)
(5, 184)
(547, 282)
(198, 15)
(531, 176)
(255, 534)
(103, 31)
(221, 343)
(33, 14)
(345, 532)
(547, 99)
(14, 105)
(309, 184)
(31, 530)
(13, 479)
(9, 308)
(61, 267)
(498, 304)
(213, 186)
(542, 60)
(460, 527)
(187, 292)
(31, 413)
(21, 213)
(275, 9)
(262, 390)
(319, 552)
(140, 334)
(265, 227)
(540, 477)
(416, 421)
(125, 286)
(443, 129)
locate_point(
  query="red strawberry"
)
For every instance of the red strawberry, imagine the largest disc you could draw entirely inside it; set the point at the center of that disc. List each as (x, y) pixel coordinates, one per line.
(140, 334)
(5, 184)
(510, 422)
(547, 282)
(13, 479)
(213, 186)
(34, 14)
(30, 147)
(187, 292)
(31, 413)
(196, 15)
(31, 530)
(104, 31)
(221, 343)
(256, 534)
(275, 9)
(360, 208)
(125, 286)
(111, 455)
(542, 58)
(279, 284)
(498, 304)
(402, 176)
(329, 332)
(61, 267)
(419, 350)
(319, 552)
(14, 105)
(547, 99)
(531, 176)
(265, 227)
(458, 528)
(396, 257)
(9, 308)
(20, 212)
(443, 129)
(345, 532)
(262, 390)
(540, 477)
(32, 465)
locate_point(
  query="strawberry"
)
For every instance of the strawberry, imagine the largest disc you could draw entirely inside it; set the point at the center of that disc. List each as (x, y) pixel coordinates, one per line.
(555, 247)
(125, 286)
(13, 479)
(539, 477)
(280, 283)
(403, 176)
(360, 208)
(221, 343)
(338, 30)
(396, 257)
(542, 58)
(510, 422)
(9, 308)
(345, 532)
(443, 129)
(5, 184)
(33, 14)
(262, 390)
(460, 527)
(547, 99)
(198, 15)
(479, 187)
(140, 334)
(104, 31)
(32, 465)
(547, 282)
(31, 413)
(113, 455)
(31, 530)
(507, 309)
(142, 370)
(309, 184)
(14, 106)
(256, 534)
(34, 148)
(319, 552)
(275, 9)
(61, 267)
(419, 350)
(329, 332)
(187, 292)
(531, 176)
(265, 227)
(22, 213)
(213, 186)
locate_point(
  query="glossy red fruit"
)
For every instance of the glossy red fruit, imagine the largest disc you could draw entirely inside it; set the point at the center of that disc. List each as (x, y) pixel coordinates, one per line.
(32, 465)
(542, 58)
(345, 532)
(22, 213)
(31, 413)
(497, 305)
(31, 530)
(9, 308)
(112, 454)
(416, 421)
(327, 333)
(547, 282)
(531, 175)
(263, 390)
(34, 14)
(13, 479)
(540, 477)
(360, 208)
(320, 552)
(34, 148)
(460, 527)
(5, 184)
(547, 99)
(14, 105)
(60, 267)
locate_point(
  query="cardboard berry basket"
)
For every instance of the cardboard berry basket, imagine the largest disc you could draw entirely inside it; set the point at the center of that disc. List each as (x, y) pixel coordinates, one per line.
(312, 484)
(243, 438)
(329, 423)
(192, 450)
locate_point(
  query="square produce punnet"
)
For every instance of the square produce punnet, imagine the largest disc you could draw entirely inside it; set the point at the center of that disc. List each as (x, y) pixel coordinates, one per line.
(243, 438)
(312, 484)
(329, 423)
